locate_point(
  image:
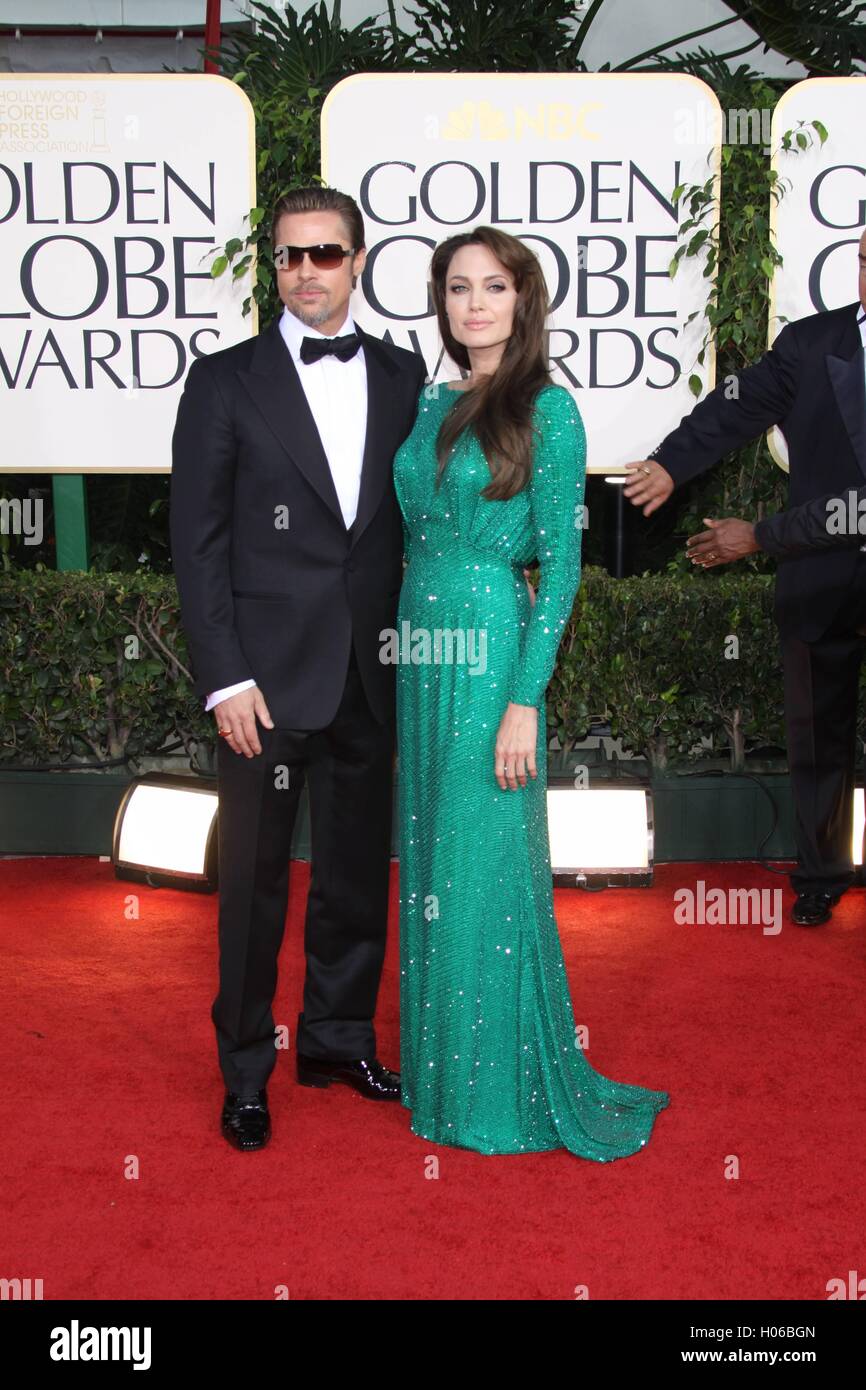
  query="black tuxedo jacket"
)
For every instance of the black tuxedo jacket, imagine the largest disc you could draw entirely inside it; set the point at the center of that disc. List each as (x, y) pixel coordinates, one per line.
(811, 384)
(272, 585)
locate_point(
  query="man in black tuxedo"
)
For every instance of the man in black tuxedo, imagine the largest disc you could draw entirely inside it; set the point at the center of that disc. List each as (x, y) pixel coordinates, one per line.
(287, 549)
(812, 384)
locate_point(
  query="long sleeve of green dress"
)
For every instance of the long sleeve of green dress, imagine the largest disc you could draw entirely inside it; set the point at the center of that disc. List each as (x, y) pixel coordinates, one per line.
(556, 497)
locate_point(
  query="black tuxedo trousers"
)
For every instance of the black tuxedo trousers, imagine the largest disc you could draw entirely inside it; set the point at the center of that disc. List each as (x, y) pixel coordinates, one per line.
(821, 688)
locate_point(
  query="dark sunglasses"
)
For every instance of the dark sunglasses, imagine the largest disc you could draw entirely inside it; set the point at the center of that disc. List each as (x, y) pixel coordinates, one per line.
(324, 257)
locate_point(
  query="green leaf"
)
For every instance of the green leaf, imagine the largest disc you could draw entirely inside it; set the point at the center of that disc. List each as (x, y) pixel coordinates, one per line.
(218, 266)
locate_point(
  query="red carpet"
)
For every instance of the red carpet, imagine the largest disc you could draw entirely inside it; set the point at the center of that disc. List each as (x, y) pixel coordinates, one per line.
(110, 1054)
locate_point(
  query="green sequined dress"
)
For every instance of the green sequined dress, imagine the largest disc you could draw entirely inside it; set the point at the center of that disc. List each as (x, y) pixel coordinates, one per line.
(488, 1050)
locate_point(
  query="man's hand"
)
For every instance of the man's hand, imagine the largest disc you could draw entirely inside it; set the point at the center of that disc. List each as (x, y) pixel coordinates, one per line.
(727, 540)
(238, 714)
(648, 486)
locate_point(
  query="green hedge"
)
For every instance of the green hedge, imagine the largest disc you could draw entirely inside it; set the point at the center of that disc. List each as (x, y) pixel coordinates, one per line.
(95, 668)
(679, 666)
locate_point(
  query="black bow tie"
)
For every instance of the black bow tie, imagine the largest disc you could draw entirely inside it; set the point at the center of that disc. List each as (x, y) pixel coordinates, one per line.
(344, 348)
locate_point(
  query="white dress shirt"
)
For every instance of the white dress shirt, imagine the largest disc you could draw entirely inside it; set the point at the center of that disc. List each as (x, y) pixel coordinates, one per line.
(337, 396)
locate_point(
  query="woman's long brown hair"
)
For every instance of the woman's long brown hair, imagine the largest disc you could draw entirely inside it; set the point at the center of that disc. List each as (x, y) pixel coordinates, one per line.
(500, 407)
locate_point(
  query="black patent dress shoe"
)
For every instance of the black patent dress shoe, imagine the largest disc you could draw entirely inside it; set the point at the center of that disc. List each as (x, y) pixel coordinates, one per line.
(811, 909)
(366, 1075)
(246, 1122)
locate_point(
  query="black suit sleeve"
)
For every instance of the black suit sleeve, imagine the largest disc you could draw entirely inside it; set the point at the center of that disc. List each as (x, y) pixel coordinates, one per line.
(202, 494)
(735, 411)
(815, 525)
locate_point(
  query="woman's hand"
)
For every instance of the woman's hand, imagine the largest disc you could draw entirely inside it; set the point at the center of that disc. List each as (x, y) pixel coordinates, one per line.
(515, 746)
(529, 587)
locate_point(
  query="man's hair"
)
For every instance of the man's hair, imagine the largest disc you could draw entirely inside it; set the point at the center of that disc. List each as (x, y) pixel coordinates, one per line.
(318, 198)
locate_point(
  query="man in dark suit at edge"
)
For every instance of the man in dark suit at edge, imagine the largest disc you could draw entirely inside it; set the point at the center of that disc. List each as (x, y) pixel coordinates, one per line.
(812, 384)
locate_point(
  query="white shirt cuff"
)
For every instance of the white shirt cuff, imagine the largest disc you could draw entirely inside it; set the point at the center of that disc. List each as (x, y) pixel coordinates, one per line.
(219, 695)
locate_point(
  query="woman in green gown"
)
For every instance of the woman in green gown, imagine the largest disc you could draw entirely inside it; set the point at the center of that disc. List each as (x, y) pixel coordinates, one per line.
(489, 1053)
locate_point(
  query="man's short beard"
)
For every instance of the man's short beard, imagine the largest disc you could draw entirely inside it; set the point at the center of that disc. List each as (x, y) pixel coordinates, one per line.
(311, 316)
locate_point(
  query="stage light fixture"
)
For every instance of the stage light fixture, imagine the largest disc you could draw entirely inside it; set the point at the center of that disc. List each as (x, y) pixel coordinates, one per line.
(858, 827)
(600, 836)
(165, 832)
